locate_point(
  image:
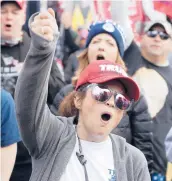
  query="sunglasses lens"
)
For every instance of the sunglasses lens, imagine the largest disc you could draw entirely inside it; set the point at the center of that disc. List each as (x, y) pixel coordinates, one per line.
(101, 94)
(122, 102)
(152, 34)
(163, 36)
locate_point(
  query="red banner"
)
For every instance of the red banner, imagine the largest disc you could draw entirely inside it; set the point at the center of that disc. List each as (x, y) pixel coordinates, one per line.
(164, 7)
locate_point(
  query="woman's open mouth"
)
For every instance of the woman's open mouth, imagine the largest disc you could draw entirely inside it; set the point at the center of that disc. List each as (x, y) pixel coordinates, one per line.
(100, 57)
(106, 117)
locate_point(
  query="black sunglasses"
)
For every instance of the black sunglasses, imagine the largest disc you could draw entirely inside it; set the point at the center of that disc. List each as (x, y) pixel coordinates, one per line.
(154, 33)
(101, 93)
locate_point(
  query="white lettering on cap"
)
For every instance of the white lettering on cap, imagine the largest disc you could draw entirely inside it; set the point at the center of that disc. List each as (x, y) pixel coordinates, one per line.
(113, 68)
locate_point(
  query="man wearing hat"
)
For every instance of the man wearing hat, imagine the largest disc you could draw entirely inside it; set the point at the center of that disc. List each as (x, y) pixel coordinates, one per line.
(15, 44)
(151, 69)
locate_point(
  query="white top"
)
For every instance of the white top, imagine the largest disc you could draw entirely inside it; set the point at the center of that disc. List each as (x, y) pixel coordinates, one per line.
(100, 162)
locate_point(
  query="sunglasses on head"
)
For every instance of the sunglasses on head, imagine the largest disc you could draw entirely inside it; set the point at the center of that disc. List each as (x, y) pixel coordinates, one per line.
(154, 33)
(102, 93)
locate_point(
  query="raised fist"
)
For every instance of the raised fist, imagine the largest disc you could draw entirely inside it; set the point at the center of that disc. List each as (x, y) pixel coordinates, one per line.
(44, 24)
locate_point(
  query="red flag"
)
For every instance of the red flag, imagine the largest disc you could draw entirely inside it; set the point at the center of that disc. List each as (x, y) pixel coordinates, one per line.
(164, 7)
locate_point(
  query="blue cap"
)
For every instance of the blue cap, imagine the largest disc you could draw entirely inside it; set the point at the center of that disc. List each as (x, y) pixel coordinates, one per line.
(111, 28)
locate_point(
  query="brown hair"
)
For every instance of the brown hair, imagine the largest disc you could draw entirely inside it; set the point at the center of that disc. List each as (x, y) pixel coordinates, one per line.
(83, 62)
(67, 107)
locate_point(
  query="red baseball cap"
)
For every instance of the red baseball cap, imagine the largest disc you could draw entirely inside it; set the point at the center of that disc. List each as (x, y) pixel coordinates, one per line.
(20, 3)
(102, 71)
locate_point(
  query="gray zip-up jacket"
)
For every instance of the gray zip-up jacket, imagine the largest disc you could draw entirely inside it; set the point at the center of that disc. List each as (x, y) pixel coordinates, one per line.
(50, 139)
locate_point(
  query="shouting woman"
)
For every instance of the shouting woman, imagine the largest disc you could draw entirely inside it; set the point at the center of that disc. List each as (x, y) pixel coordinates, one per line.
(79, 147)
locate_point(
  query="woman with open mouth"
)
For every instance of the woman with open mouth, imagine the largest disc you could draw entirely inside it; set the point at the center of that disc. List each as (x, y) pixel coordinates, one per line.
(102, 95)
(77, 148)
(106, 41)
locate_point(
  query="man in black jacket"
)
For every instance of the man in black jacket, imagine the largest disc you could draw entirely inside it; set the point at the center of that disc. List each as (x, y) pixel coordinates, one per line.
(150, 67)
(15, 44)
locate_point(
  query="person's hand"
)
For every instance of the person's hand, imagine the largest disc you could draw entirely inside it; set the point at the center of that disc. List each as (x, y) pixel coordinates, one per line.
(44, 24)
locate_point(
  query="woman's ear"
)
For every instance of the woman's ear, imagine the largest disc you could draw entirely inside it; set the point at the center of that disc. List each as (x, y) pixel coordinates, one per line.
(77, 102)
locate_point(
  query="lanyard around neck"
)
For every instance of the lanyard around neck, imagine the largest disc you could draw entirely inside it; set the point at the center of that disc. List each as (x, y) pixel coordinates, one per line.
(80, 156)
(81, 159)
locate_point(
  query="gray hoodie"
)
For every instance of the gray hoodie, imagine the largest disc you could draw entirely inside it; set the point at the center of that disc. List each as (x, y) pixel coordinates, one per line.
(50, 139)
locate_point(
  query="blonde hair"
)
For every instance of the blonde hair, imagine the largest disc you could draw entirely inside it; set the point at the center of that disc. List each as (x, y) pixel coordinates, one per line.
(83, 62)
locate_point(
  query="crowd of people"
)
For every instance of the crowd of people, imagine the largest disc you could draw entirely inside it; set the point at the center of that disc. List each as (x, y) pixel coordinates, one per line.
(86, 105)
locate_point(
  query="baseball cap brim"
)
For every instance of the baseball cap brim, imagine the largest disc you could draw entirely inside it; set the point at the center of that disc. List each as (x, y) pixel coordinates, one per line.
(165, 24)
(132, 89)
(18, 3)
